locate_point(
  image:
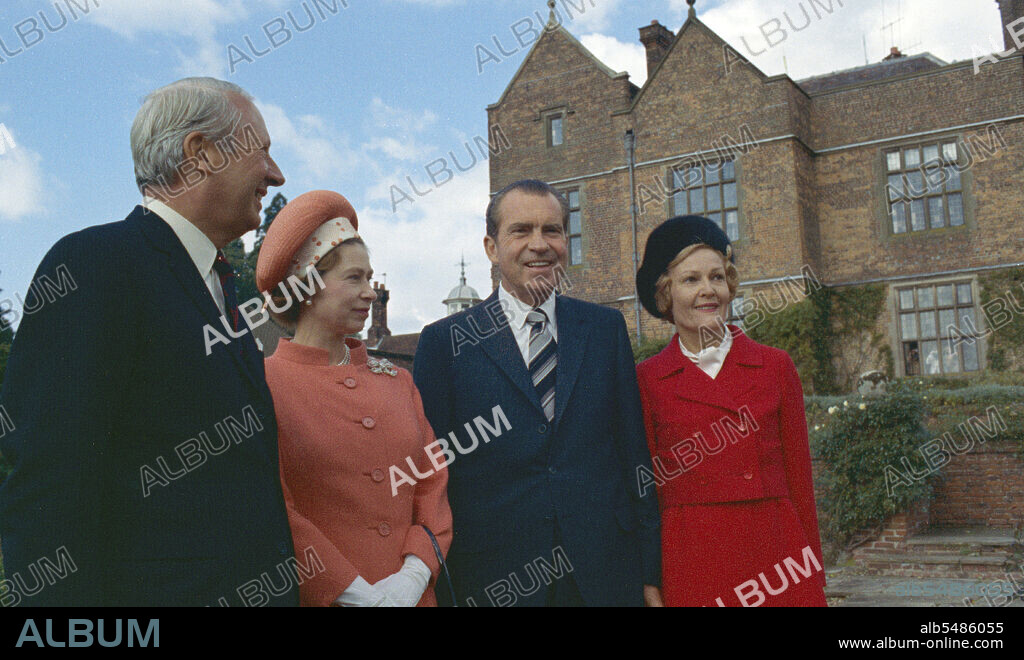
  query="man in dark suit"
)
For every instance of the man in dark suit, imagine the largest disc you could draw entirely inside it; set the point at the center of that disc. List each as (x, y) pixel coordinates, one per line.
(549, 512)
(145, 465)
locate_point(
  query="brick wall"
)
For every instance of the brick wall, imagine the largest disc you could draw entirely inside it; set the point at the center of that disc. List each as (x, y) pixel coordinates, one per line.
(896, 531)
(984, 487)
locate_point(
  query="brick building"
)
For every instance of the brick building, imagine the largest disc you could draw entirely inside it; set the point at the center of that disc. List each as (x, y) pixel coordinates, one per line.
(905, 173)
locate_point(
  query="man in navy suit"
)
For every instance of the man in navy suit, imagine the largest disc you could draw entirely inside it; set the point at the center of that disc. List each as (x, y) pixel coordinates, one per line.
(549, 512)
(146, 470)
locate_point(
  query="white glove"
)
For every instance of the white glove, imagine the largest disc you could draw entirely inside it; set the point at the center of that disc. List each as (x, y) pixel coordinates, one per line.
(363, 594)
(406, 587)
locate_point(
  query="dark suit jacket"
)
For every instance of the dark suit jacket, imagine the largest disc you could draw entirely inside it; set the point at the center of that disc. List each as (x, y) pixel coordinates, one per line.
(578, 473)
(153, 465)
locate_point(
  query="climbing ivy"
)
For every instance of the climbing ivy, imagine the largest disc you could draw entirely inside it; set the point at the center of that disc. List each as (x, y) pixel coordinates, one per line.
(815, 330)
(1001, 293)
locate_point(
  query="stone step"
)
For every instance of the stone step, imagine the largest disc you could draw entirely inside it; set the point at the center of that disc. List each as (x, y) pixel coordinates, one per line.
(965, 541)
(922, 565)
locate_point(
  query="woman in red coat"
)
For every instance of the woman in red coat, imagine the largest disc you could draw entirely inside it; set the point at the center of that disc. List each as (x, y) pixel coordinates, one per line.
(346, 422)
(728, 438)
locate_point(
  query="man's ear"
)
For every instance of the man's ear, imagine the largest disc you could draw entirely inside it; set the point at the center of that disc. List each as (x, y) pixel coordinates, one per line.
(491, 248)
(196, 150)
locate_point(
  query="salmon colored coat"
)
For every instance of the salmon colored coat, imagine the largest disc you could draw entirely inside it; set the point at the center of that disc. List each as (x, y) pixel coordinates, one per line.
(340, 429)
(733, 473)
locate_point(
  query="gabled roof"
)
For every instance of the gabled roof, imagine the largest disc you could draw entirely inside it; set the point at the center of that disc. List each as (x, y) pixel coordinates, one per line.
(694, 23)
(549, 30)
(871, 72)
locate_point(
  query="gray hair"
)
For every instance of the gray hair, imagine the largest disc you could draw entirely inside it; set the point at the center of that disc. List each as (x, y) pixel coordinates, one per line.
(169, 114)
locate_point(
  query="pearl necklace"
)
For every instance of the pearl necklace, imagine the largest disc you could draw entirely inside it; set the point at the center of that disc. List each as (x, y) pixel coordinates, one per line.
(348, 357)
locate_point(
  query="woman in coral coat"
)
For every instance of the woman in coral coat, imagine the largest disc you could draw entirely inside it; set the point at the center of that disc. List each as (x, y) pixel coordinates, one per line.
(344, 419)
(728, 438)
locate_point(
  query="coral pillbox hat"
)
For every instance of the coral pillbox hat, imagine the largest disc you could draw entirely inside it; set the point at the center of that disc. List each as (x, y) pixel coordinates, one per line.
(306, 229)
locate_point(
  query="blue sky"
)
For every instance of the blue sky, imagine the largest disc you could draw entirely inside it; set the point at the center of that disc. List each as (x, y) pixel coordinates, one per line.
(368, 95)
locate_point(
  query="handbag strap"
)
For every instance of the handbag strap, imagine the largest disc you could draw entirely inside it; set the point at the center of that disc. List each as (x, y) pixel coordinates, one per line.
(444, 566)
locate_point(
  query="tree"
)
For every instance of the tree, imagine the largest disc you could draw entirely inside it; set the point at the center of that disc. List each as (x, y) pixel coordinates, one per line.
(269, 214)
(245, 263)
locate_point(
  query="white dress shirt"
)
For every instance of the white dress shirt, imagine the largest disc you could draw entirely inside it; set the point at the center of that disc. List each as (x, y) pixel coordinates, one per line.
(516, 310)
(199, 247)
(711, 359)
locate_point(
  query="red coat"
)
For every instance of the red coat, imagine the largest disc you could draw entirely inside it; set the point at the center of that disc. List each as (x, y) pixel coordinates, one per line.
(733, 473)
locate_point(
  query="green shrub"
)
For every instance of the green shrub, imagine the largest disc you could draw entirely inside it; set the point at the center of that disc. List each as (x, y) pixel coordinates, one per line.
(855, 447)
(649, 348)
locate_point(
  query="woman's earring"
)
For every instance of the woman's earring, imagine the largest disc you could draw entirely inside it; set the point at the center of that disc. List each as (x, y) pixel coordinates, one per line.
(309, 302)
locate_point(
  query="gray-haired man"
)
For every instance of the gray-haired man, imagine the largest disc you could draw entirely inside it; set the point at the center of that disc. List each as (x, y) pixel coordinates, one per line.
(145, 470)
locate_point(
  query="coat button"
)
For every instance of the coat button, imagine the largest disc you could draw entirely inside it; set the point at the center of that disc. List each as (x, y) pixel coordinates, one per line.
(543, 428)
(368, 422)
(748, 475)
(378, 475)
(553, 470)
(384, 529)
(350, 383)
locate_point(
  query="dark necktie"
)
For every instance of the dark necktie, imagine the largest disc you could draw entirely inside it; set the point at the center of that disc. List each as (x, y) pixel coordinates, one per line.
(543, 360)
(227, 283)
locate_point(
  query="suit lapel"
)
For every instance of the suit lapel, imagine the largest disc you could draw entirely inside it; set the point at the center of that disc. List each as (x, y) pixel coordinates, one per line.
(503, 350)
(573, 333)
(163, 239)
(737, 376)
(743, 367)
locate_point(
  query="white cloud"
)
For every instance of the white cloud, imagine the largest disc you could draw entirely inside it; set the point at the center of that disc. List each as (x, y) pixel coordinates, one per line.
(420, 246)
(432, 3)
(21, 183)
(619, 56)
(131, 18)
(580, 15)
(388, 117)
(835, 41)
(195, 21)
(407, 150)
(322, 154)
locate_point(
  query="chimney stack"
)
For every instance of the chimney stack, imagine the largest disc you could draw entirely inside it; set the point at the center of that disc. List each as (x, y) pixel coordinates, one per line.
(894, 54)
(378, 317)
(1011, 11)
(657, 39)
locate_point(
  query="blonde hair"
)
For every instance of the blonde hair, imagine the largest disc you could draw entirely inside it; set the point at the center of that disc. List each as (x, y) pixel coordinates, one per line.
(662, 288)
(289, 318)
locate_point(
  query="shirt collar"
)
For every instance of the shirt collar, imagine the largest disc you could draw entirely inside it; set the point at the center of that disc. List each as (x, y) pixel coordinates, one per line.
(711, 359)
(517, 310)
(198, 245)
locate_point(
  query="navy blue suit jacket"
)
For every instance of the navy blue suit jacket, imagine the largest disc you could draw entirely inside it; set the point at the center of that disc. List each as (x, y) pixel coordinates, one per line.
(152, 465)
(578, 473)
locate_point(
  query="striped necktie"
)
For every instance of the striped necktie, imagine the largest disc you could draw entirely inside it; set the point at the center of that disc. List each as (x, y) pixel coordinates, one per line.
(543, 360)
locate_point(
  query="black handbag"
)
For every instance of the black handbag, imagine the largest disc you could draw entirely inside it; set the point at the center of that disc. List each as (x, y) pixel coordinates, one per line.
(444, 567)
